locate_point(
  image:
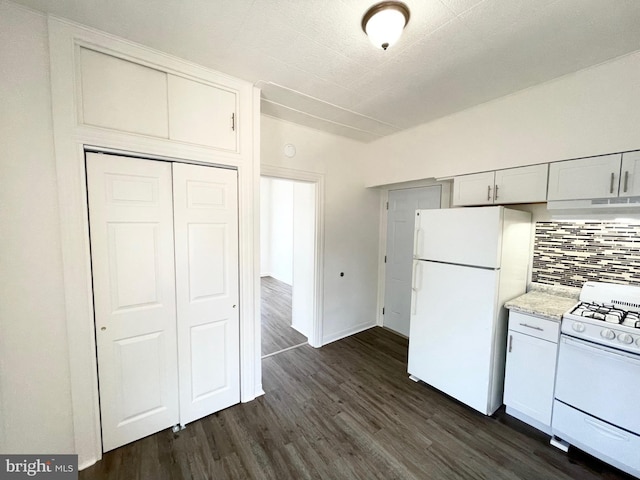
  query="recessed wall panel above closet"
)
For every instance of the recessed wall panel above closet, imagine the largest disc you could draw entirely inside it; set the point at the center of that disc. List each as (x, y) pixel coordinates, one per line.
(122, 95)
(201, 114)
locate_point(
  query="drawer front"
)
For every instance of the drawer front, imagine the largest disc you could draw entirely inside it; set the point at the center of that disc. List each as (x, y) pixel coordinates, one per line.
(535, 326)
(607, 442)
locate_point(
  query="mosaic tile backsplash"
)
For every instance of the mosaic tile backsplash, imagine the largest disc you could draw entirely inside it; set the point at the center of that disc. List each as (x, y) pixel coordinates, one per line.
(571, 253)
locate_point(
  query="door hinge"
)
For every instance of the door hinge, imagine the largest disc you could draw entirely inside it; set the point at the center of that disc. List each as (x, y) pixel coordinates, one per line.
(233, 122)
(385, 259)
(383, 310)
(387, 205)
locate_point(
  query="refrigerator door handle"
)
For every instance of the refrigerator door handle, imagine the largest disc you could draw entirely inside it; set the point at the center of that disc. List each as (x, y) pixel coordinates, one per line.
(413, 276)
(416, 242)
(416, 285)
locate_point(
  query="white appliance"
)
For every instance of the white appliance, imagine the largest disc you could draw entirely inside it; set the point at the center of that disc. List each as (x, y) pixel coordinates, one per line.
(467, 263)
(597, 393)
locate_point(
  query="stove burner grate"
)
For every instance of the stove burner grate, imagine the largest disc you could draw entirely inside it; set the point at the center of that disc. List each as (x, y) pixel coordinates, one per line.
(607, 313)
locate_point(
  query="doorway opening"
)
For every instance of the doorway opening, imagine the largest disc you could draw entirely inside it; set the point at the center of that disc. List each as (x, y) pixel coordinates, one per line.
(288, 260)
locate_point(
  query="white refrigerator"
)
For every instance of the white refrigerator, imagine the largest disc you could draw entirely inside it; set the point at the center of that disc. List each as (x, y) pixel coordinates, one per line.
(467, 263)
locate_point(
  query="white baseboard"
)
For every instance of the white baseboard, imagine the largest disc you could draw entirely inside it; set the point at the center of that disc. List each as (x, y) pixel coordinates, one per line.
(299, 331)
(347, 332)
(88, 463)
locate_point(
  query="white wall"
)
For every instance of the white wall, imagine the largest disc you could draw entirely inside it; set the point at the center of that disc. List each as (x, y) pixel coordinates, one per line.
(591, 112)
(36, 414)
(287, 241)
(265, 227)
(351, 217)
(304, 236)
(280, 205)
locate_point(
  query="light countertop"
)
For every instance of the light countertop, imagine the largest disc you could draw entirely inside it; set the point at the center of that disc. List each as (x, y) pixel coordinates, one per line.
(546, 301)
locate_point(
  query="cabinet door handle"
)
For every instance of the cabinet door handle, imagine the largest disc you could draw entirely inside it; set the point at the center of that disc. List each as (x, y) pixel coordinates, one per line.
(626, 180)
(510, 343)
(611, 187)
(488, 192)
(233, 122)
(532, 326)
(495, 193)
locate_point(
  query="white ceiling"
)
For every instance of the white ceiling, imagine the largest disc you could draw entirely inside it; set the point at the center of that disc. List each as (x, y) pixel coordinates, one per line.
(316, 67)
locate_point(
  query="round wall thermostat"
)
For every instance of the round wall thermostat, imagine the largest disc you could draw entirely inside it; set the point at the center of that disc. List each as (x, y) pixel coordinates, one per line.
(290, 150)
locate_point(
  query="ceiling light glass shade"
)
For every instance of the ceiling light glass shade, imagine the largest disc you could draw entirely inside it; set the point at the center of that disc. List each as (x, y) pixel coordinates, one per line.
(384, 22)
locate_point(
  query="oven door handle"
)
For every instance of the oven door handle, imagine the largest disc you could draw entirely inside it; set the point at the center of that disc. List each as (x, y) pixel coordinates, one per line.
(605, 430)
(601, 350)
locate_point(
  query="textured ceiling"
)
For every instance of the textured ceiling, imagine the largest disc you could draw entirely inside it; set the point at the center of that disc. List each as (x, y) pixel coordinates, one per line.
(316, 67)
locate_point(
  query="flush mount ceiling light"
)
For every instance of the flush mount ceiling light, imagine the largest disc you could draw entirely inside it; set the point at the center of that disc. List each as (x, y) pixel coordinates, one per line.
(384, 22)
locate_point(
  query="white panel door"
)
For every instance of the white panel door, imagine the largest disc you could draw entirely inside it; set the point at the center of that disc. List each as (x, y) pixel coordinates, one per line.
(206, 249)
(403, 204)
(131, 225)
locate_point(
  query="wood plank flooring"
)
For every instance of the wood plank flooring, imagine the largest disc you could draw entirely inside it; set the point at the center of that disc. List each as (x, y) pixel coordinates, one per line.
(277, 333)
(348, 411)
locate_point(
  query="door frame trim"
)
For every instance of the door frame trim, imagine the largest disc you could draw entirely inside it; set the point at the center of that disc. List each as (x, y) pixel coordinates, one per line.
(315, 339)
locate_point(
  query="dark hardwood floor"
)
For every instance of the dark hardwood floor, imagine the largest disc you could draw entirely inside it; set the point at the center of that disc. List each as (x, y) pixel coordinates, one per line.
(277, 333)
(348, 411)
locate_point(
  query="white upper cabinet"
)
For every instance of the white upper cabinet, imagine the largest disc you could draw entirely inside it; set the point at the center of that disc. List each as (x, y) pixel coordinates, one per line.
(122, 95)
(585, 178)
(475, 189)
(521, 185)
(202, 114)
(512, 185)
(630, 174)
(129, 97)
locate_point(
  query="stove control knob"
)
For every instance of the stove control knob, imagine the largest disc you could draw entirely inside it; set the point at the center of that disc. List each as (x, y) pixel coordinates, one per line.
(578, 327)
(625, 338)
(608, 334)
(638, 341)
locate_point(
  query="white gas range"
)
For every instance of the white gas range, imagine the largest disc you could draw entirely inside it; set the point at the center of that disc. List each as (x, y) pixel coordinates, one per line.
(597, 392)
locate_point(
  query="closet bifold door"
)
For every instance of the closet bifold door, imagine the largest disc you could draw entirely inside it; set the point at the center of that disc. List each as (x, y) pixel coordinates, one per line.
(132, 256)
(206, 254)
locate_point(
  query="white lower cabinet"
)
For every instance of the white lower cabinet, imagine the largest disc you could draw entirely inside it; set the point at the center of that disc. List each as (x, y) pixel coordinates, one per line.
(532, 350)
